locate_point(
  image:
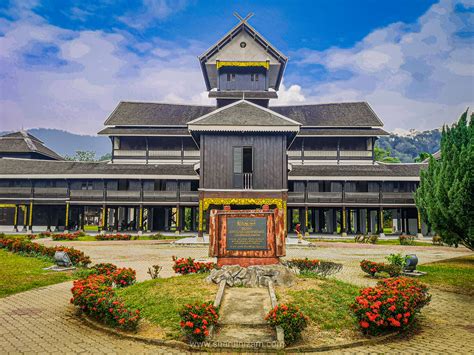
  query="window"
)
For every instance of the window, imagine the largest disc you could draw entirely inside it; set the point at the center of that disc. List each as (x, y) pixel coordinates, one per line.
(86, 185)
(230, 77)
(123, 185)
(242, 166)
(254, 77)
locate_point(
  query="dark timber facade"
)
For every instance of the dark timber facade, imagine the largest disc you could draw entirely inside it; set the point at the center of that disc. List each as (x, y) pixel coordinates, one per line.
(172, 163)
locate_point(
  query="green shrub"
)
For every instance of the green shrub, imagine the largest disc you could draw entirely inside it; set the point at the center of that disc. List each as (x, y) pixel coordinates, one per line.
(196, 320)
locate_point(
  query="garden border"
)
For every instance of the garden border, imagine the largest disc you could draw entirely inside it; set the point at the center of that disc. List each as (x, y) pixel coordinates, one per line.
(182, 345)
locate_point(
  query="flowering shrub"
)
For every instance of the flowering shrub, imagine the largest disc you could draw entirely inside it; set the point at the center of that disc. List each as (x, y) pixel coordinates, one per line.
(196, 319)
(371, 267)
(45, 234)
(65, 236)
(303, 264)
(189, 266)
(290, 318)
(105, 268)
(391, 305)
(95, 296)
(124, 277)
(31, 236)
(29, 248)
(117, 236)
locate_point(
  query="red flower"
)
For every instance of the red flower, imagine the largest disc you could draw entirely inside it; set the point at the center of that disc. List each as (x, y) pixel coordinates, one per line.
(364, 324)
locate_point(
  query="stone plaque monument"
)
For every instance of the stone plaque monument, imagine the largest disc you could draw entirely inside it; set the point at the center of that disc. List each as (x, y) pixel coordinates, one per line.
(246, 237)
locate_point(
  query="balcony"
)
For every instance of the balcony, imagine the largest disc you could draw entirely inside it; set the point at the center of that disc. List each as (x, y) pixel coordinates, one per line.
(189, 196)
(295, 197)
(160, 196)
(50, 192)
(325, 197)
(157, 154)
(398, 197)
(115, 195)
(330, 155)
(87, 195)
(15, 192)
(361, 197)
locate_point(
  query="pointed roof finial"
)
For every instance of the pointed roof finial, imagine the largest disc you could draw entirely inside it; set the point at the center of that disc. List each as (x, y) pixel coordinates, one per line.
(242, 19)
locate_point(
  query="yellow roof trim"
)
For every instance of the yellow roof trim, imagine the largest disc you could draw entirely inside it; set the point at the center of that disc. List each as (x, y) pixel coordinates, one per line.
(264, 64)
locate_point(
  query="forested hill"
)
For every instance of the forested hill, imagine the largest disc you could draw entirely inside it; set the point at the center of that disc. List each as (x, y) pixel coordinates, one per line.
(408, 147)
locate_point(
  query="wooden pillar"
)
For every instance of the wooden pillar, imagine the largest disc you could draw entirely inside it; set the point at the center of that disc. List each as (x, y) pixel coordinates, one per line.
(15, 219)
(116, 221)
(178, 219)
(404, 226)
(313, 219)
(334, 221)
(66, 219)
(30, 219)
(419, 234)
(200, 220)
(380, 221)
(321, 222)
(344, 222)
(369, 221)
(359, 221)
(25, 216)
(285, 218)
(104, 218)
(83, 217)
(140, 218)
(193, 218)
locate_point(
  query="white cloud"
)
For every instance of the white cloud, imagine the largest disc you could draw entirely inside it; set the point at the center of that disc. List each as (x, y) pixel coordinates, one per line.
(415, 76)
(291, 95)
(78, 77)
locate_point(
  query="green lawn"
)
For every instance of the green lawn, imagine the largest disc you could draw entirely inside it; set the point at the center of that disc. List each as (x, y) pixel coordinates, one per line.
(20, 273)
(379, 242)
(454, 275)
(325, 301)
(161, 300)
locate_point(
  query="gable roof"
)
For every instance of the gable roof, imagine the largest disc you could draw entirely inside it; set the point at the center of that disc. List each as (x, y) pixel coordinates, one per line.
(241, 116)
(155, 114)
(24, 142)
(344, 114)
(244, 27)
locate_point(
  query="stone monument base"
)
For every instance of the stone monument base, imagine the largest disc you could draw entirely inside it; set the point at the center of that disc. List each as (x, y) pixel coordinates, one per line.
(253, 276)
(246, 262)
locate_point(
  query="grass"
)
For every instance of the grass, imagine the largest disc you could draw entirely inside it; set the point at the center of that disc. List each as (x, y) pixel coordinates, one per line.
(21, 273)
(325, 301)
(160, 300)
(453, 275)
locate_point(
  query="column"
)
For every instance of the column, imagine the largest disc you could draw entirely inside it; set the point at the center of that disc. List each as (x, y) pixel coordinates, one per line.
(104, 219)
(66, 219)
(334, 221)
(302, 220)
(344, 222)
(193, 219)
(359, 221)
(15, 219)
(30, 219)
(83, 218)
(419, 234)
(321, 221)
(25, 216)
(140, 220)
(380, 223)
(200, 221)
(116, 218)
(369, 221)
(178, 219)
(404, 225)
(306, 221)
(313, 219)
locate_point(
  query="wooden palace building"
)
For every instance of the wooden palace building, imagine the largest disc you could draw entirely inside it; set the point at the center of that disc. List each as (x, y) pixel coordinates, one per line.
(172, 163)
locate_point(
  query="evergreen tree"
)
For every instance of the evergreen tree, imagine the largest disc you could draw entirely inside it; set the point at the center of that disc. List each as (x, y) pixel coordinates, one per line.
(445, 197)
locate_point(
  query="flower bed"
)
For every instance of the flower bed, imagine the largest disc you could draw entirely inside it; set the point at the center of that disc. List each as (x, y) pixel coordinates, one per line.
(290, 318)
(45, 234)
(391, 305)
(95, 296)
(105, 268)
(185, 266)
(66, 236)
(117, 236)
(314, 266)
(372, 268)
(29, 248)
(196, 319)
(406, 239)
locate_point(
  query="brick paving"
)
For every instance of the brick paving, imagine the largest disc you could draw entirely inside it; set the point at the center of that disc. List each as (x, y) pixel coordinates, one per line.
(43, 321)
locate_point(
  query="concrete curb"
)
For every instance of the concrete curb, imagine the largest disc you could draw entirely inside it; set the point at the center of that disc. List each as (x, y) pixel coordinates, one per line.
(280, 333)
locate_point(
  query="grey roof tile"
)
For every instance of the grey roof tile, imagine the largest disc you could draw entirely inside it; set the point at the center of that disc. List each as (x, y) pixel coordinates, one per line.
(23, 142)
(377, 170)
(358, 132)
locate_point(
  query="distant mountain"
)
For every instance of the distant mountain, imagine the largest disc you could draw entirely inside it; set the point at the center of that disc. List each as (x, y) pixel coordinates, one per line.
(66, 143)
(407, 145)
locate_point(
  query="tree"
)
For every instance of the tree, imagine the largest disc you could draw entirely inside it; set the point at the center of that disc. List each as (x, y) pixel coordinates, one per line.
(106, 156)
(422, 157)
(445, 196)
(383, 155)
(82, 155)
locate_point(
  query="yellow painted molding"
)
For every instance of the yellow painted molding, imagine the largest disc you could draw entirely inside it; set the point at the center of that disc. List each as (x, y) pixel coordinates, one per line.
(140, 217)
(30, 221)
(264, 64)
(66, 223)
(15, 218)
(7, 206)
(201, 214)
(241, 201)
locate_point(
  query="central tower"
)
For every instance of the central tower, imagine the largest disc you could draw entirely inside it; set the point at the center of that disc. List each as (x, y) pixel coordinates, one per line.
(243, 144)
(243, 65)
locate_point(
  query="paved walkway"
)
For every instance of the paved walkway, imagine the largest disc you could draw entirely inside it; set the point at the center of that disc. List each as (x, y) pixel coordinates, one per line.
(43, 321)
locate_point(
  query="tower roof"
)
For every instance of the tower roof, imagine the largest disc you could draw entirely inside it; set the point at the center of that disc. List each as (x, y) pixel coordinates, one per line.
(245, 46)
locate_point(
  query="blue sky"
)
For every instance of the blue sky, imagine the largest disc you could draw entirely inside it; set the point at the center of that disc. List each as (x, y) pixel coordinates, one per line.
(66, 64)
